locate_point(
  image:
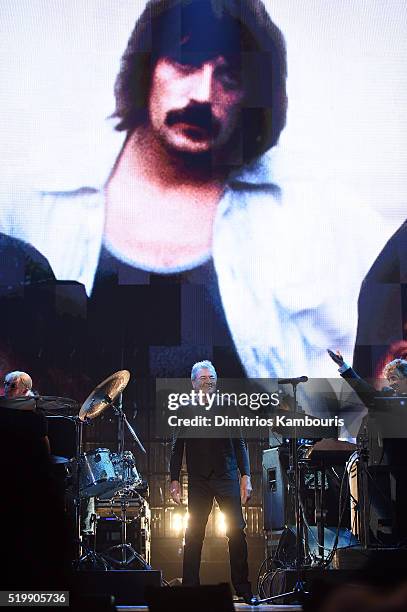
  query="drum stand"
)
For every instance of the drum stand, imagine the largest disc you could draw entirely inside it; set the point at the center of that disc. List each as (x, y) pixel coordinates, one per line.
(91, 559)
(77, 499)
(127, 554)
(86, 557)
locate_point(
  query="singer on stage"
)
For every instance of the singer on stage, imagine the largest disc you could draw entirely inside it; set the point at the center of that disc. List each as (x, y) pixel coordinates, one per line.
(213, 466)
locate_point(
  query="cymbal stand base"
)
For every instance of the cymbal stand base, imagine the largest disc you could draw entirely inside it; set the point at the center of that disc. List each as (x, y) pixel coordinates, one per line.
(298, 592)
(128, 555)
(92, 560)
(127, 552)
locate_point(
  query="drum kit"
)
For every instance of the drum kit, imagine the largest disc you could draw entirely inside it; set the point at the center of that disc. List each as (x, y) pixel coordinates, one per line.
(100, 473)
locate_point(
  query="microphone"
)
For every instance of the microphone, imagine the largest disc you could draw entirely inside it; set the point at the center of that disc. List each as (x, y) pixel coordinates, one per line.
(292, 381)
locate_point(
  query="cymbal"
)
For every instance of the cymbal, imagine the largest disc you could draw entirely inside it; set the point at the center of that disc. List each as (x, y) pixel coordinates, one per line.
(104, 394)
(52, 402)
(59, 460)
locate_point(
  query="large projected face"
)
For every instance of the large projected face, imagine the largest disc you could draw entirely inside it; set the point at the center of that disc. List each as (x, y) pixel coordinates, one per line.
(243, 231)
(194, 107)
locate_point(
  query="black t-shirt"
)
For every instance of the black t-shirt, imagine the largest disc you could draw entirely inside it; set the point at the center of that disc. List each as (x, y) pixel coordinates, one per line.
(166, 322)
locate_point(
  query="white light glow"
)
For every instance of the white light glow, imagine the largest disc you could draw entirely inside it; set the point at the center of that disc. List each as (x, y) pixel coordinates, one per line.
(221, 525)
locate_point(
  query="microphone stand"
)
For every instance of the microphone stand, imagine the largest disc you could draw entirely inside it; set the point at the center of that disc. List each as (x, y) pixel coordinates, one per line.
(299, 588)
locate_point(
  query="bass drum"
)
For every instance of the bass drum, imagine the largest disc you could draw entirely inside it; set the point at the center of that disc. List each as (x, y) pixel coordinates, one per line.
(97, 474)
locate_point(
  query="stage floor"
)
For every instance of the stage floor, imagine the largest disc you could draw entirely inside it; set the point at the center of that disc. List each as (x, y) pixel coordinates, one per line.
(238, 607)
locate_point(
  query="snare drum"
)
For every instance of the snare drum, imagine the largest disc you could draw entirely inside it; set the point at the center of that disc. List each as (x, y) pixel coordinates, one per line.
(97, 474)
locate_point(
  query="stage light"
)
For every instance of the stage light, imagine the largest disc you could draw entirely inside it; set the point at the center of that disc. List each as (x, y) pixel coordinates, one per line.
(221, 525)
(176, 523)
(179, 522)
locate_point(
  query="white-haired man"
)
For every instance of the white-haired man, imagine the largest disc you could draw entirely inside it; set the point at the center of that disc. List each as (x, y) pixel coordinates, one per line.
(387, 499)
(17, 384)
(28, 479)
(395, 372)
(213, 465)
(22, 417)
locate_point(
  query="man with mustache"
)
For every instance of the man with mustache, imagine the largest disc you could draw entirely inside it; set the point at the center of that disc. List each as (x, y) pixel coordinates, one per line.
(193, 212)
(194, 108)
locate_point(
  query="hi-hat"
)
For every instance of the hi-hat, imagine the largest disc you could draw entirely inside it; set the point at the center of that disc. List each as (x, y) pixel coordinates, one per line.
(104, 395)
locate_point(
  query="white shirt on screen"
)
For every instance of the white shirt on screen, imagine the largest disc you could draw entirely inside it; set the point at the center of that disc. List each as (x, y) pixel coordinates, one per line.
(290, 257)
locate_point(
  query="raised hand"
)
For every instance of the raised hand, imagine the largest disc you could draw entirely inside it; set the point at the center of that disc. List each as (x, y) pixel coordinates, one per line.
(336, 357)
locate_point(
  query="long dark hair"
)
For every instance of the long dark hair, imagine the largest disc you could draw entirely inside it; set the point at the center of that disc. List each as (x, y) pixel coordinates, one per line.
(210, 27)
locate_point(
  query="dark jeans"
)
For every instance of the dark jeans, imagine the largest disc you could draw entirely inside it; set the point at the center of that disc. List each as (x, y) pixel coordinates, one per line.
(201, 492)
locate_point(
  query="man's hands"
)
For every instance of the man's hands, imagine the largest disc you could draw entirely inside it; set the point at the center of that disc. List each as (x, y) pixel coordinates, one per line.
(336, 357)
(175, 491)
(245, 489)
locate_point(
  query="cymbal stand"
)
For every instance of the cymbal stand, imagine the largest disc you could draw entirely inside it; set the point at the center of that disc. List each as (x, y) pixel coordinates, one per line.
(298, 591)
(362, 508)
(118, 408)
(77, 499)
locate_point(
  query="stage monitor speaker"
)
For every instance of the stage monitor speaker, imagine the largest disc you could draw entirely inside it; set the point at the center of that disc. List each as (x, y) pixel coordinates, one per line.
(127, 586)
(185, 599)
(275, 489)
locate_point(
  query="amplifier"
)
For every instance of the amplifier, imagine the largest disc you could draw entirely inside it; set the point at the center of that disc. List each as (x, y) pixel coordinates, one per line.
(275, 488)
(379, 503)
(278, 503)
